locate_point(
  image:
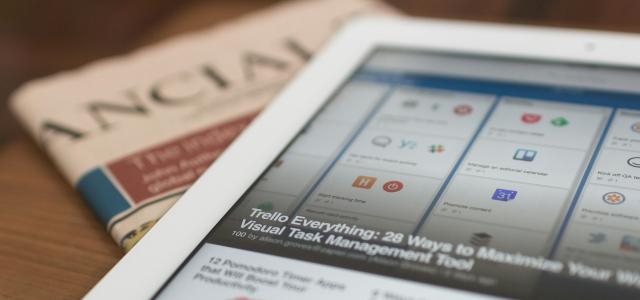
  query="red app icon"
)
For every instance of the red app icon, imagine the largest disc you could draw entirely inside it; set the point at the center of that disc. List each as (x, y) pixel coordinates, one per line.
(392, 186)
(531, 118)
(462, 109)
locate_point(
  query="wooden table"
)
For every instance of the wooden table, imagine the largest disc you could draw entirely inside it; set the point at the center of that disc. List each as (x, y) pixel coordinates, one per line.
(52, 247)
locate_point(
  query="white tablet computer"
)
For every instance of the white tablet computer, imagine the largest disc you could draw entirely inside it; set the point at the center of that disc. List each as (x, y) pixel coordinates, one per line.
(420, 160)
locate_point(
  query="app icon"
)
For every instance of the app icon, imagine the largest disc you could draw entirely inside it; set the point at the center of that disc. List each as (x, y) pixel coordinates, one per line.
(407, 144)
(525, 155)
(410, 103)
(381, 141)
(630, 243)
(436, 148)
(480, 239)
(559, 122)
(636, 127)
(504, 195)
(462, 109)
(613, 198)
(392, 186)
(364, 182)
(265, 206)
(597, 237)
(634, 162)
(529, 118)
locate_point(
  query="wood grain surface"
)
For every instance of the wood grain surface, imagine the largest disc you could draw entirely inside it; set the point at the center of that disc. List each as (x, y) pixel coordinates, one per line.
(51, 246)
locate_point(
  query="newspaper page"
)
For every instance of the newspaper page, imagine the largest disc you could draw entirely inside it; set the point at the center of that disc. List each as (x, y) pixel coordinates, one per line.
(132, 133)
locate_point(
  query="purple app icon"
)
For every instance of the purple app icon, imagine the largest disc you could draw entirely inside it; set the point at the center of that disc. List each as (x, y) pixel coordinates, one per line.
(504, 195)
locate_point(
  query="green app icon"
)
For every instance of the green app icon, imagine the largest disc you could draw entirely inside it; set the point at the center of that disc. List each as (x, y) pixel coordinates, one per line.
(265, 206)
(560, 122)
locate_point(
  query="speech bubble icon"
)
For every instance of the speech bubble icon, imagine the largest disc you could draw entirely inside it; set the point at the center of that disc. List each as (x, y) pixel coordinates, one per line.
(381, 141)
(634, 162)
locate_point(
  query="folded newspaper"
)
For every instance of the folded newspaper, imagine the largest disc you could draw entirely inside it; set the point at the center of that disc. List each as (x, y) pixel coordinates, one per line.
(132, 133)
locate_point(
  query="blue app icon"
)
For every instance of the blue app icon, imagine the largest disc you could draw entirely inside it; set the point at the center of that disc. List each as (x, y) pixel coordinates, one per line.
(525, 154)
(504, 195)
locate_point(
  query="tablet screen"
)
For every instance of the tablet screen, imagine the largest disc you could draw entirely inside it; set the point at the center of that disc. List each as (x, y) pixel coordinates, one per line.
(428, 175)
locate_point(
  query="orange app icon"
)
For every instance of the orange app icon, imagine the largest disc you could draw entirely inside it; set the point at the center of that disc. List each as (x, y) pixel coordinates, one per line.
(364, 182)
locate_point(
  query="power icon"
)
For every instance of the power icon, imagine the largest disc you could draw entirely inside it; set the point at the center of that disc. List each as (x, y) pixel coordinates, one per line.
(392, 186)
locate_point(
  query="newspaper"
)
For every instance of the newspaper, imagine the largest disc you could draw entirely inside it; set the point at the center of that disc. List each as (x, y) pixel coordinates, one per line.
(132, 133)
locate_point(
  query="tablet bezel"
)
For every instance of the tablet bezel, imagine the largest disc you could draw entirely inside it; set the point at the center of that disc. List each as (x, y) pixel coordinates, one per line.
(142, 271)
